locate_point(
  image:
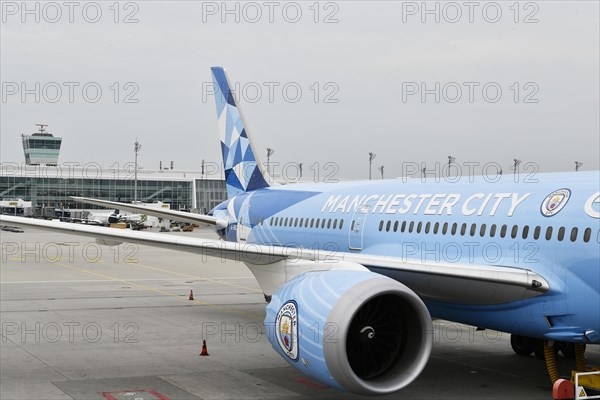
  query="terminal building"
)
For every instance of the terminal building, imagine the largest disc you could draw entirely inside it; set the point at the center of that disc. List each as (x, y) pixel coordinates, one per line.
(46, 185)
(52, 186)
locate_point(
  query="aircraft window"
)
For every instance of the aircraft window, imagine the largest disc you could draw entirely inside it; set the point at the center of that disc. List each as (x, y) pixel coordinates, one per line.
(453, 230)
(352, 226)
(514, 231)
(296, 222)
(380, 225)
(573, 234)
(463, 229)
(306, 223)
(427, 227)
(419, 227)
(549, 233)
(285, 223)
(473, 229)
(341, 223)
(525, 231)
(403, 227)
(445, 228)
(396, 226)
(301, 222)
(587, 234)
(387, 226)
(493, 230)
(561, 233)
(317, 222)
(536, 232)
(503, 231)
(323, 223)
(482, 230)
(312, 222)
(335, 223)
(274, 221)
(436, 227)
(411, 226)
(329, 223)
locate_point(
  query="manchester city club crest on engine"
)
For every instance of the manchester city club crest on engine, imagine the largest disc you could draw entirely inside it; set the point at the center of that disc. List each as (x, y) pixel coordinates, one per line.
(555, 202)
(286, 329)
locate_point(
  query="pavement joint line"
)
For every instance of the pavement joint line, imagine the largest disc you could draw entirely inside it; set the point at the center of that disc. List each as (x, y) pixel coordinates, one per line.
(5, 339)
(139, 264)
(183, 298)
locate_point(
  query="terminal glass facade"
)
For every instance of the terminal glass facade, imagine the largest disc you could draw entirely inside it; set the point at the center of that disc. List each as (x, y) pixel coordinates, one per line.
(209, 193)
(55, 192)
(41, 149)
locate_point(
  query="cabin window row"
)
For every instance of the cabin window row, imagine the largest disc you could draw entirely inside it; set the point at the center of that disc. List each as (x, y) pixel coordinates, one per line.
(323, 223)
(474, 230)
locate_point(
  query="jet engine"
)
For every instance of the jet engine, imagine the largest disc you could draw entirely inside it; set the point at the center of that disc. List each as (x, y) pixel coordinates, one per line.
(357, 331)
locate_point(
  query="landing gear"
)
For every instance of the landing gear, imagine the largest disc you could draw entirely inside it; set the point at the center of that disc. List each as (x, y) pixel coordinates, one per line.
(524, 346)
(568, 349)
(521, 345)
(547, 350)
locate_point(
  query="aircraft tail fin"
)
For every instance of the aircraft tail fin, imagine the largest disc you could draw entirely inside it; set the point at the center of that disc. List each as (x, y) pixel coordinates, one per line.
(244, 171)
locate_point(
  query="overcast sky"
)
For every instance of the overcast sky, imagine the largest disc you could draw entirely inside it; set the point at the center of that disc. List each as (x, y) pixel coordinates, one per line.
(361, 67)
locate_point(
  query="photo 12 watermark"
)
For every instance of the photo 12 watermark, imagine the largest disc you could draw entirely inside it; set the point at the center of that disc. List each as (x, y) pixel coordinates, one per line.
(271, 92)
(254, 12)
(470, 12)
(70, 92)
(70, 12)
(69, 332)
(470, 92)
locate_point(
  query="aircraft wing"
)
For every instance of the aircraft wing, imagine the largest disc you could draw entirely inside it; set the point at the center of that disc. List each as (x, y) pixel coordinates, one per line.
(157, 212)
(455, 283)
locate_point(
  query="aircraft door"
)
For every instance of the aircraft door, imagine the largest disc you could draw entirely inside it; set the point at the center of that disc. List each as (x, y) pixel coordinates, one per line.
(357, 225)
(243, 226)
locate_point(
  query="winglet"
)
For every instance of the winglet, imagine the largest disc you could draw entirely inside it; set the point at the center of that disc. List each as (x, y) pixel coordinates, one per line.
(244, 171)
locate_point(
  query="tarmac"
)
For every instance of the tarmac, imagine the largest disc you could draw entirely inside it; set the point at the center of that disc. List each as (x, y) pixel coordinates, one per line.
(83, 321)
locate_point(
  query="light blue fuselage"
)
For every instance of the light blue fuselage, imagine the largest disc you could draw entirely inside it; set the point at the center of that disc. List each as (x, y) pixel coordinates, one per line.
(415, 220)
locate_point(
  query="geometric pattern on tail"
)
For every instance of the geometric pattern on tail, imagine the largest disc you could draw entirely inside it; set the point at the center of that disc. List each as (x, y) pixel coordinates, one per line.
(243, 172)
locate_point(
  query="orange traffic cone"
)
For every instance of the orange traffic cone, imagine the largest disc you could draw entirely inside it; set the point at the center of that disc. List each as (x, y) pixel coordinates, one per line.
(191, 295)
(204, 351)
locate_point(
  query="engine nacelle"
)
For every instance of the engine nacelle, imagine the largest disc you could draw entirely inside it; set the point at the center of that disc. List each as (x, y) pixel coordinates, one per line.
(108, 242)
(357, 331)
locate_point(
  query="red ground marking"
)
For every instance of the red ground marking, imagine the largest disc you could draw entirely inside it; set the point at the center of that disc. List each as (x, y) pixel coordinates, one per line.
(134, 394)
(311, 384)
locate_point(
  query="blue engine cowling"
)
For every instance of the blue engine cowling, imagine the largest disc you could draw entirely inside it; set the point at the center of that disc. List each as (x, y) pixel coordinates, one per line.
(357, 331)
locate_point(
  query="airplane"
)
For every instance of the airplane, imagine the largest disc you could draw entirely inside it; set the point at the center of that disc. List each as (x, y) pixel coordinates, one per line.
(354, 272)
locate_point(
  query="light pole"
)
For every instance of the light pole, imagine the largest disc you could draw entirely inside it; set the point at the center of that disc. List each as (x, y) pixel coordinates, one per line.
(578, 165)
(300, 170)
(381, 171)
(516, 163)
(270, 152)
(136, 148)
(371, 158)
(450, 161)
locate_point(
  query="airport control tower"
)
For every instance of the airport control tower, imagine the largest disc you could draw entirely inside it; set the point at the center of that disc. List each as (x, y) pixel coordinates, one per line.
(41, 148)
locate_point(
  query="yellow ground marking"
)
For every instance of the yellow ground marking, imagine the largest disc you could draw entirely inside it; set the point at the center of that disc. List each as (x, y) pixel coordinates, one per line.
(144, 287)
(137, 263)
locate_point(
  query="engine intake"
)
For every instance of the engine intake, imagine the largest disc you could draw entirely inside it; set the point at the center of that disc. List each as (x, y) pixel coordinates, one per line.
(357, 331)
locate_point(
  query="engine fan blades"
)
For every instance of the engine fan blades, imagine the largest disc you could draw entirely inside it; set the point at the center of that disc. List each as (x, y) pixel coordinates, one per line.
(376, 337)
